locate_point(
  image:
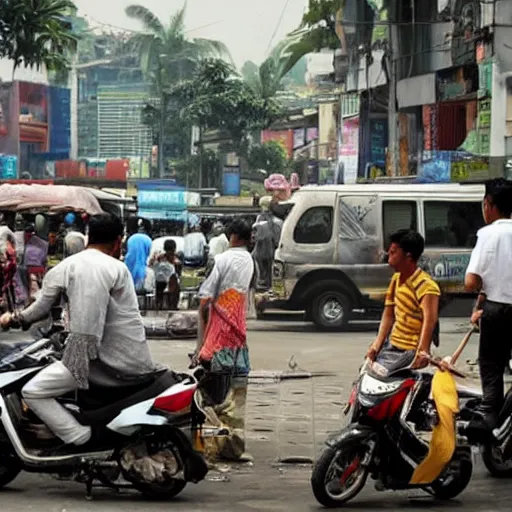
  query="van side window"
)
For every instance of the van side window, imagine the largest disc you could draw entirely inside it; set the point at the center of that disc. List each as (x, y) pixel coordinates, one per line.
(452, 224)
(315, 226)
(398, 215)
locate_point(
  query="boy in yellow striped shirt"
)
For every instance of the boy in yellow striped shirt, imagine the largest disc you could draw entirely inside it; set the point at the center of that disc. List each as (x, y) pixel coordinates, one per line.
(411, 307)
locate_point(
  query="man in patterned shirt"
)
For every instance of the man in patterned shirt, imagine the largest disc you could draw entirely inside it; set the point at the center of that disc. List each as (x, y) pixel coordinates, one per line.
(411, 307)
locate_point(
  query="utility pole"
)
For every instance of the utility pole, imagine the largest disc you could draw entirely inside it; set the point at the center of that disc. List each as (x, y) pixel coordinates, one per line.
(200, 148)
(161, 135)
(393, 131)
(73, 85)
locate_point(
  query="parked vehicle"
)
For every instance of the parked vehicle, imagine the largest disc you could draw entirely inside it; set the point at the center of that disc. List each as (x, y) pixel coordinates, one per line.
(389, 419)
(154, 427)
(331, 259)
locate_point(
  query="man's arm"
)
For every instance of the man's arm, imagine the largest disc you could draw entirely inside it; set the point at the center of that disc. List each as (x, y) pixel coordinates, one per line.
(51, 291)
(207, 293)
(473, 280)
(430, 306)
(386, 324)
(472, 283)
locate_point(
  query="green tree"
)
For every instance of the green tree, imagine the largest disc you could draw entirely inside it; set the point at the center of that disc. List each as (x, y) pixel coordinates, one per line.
(267, 79)
(320, 23)
(167, 57)
(269, 156)
(36, 33)
(216, 98)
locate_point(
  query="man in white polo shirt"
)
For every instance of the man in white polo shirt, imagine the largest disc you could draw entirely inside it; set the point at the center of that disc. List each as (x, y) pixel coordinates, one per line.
(490, 274)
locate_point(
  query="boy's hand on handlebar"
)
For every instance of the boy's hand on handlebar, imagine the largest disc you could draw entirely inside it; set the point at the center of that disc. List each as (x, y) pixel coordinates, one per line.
(372, 352)
(422, 360)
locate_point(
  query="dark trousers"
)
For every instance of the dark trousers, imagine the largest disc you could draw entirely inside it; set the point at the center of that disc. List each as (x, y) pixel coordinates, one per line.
(493, 356)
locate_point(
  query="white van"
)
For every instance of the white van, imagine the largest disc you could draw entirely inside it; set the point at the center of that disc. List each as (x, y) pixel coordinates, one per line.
(331, 258)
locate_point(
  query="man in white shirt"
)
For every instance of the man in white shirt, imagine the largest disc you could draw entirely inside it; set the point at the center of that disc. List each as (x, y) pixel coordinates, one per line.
(490, 274)
(106, 328)
(195, 246)
(219, 243)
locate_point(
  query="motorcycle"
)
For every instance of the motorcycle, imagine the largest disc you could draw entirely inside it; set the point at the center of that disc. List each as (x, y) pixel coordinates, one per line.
(153, 427)
(495, 446)
(389, 420)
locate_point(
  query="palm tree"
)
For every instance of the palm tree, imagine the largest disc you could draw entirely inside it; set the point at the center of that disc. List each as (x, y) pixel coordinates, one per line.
(167, 56)
(37, 33)
(267, 80)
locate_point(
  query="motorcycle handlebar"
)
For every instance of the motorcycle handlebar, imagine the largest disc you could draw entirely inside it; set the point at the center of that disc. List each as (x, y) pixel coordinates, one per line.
(445, 366)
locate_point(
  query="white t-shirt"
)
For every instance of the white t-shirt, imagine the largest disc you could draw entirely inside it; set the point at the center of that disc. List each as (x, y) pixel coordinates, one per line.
(102, 303)
(218, 245)
(233, 269)
(491, 259)
(194, 246)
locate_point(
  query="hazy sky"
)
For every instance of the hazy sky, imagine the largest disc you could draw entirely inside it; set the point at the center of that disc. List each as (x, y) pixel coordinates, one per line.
(245, 26)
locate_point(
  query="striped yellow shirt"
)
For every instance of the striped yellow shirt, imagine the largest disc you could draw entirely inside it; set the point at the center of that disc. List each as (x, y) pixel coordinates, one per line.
(406, 300)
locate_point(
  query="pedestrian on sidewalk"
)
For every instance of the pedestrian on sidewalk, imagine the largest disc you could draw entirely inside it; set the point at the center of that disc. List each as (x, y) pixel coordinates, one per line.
(490, 274)
(222, 341)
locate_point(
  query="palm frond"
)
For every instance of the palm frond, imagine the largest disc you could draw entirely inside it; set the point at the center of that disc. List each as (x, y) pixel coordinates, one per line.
(212, 48)
(177, 23)
(147, 18)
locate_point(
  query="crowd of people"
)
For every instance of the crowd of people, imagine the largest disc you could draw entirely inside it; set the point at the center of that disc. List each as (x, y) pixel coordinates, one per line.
(29, 246)
(99, 295)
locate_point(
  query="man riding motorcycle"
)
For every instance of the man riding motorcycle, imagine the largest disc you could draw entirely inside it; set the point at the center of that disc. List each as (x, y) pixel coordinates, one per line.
(106, 329)
(411, 307)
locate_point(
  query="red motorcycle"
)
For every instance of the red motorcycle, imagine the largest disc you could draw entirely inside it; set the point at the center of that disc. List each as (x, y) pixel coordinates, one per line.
(389, 418)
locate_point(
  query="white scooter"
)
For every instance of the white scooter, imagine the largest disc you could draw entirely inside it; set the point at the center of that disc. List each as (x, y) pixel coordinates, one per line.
(154, 427)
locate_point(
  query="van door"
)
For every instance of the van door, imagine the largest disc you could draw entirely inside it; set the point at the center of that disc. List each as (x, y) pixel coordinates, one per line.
(360, 250)
(450, 228)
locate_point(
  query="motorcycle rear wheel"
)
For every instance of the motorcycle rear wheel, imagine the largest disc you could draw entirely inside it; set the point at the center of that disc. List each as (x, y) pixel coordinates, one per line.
(158, 490)
(493, 461)
(330, 469)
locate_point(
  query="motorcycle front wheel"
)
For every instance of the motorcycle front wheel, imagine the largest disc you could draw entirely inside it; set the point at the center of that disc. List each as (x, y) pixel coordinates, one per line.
(9, 469)
(455, 478)
(339, 474)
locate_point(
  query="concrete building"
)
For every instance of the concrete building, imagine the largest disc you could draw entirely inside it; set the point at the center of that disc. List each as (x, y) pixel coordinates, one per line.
(432, 79)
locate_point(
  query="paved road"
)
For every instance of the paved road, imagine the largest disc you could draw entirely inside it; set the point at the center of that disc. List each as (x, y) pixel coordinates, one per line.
(286, 419)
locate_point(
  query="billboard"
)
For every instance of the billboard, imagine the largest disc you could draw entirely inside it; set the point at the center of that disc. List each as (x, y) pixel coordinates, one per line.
(231, 183)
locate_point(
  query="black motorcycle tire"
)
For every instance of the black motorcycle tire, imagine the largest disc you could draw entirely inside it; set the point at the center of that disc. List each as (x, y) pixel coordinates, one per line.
(155, 492)
(456, 486)
(8, 472)
(495, 467)
(318, 478)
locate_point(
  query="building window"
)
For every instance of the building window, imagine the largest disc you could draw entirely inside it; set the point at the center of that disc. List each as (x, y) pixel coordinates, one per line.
(315, 226)
(452, 224)
(398, 215)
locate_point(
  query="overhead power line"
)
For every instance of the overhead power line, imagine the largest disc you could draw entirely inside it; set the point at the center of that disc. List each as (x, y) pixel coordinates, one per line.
(279, 21)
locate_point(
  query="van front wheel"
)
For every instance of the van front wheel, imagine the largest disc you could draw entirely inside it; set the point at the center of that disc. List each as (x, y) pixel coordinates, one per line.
(331, 310)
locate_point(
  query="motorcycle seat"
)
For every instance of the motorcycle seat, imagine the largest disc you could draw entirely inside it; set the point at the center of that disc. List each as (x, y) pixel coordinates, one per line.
(102, 377)
(99, 406)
